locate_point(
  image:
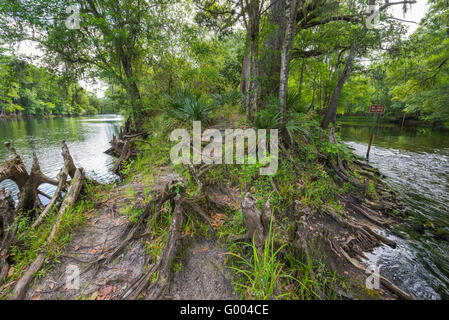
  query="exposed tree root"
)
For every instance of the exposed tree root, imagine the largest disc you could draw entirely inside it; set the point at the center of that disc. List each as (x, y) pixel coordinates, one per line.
(62, 177)
(123, 147)
(258, 223)
(69, 200)
(28, 183)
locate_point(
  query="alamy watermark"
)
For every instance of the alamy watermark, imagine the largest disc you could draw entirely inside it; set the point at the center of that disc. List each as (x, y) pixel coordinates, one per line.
(373, 280)
(212, 153)
(373, 16)
(73, 21)
(72, 277)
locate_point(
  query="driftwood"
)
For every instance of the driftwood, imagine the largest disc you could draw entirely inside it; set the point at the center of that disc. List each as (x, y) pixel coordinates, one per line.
(8, 228)
(69, 200)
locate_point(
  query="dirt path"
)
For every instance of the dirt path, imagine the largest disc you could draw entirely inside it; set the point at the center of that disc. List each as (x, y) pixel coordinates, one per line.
(202, 275)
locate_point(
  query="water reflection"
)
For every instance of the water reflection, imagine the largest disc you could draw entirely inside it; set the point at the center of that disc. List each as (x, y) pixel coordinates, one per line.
(86, 137)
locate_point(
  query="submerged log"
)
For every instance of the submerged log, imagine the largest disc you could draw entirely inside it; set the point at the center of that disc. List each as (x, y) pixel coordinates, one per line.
(8, 228)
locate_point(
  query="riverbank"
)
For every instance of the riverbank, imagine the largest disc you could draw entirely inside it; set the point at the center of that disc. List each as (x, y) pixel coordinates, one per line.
(326, 210)
(48, 116)
(414, 161)
(383, 119)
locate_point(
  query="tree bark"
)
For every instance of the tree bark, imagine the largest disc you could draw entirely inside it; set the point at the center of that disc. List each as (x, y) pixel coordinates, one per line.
(271, 53)
(254, 33)
(291, 8)
(331, 111)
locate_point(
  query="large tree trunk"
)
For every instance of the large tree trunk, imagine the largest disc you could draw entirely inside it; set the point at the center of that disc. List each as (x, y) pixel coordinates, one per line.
(246, 69)
(271, 54)
(133, 91)
(253, 32)
(331, 111)
(292, 7)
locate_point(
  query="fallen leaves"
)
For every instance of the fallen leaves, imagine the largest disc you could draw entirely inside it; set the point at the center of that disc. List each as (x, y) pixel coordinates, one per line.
(217, 219)
(103, 294)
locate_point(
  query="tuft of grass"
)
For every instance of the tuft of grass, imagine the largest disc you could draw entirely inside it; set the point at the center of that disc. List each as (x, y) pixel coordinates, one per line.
(259, 276)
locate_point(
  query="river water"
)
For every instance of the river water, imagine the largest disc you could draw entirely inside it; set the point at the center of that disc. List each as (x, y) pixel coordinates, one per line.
(86, 137)
(415, 162)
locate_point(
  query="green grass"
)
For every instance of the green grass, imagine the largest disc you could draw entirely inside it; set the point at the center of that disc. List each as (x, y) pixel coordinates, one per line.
(259, 276)
(31, 242)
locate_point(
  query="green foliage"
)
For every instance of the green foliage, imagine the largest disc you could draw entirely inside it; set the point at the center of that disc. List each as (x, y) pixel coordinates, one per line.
(229, 98)
(187, 106)
(268, 118)
(259, 276)
(33, 90)
(314, 281)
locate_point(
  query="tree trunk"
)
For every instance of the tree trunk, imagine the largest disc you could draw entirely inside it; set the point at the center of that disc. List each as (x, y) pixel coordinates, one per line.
(253, 26)
(331, 111)
(271, 54)
(133, 92)
(246, 69)
(291, 9)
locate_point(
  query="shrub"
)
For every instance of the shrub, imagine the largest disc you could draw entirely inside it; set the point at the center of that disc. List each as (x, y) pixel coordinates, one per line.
(186, 106)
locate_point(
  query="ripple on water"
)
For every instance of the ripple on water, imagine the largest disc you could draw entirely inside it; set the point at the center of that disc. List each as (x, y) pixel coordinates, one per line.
(421, 267)
(87, 139)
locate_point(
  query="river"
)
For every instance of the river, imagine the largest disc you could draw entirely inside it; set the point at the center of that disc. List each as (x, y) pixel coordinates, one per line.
(86, 137)
(415, 162)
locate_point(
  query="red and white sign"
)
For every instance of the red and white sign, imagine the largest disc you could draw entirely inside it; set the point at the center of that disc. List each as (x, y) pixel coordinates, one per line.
(377, 108)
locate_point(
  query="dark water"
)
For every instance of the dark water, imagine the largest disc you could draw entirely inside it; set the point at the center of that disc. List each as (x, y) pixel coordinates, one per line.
(86, 137)
(416, 164)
